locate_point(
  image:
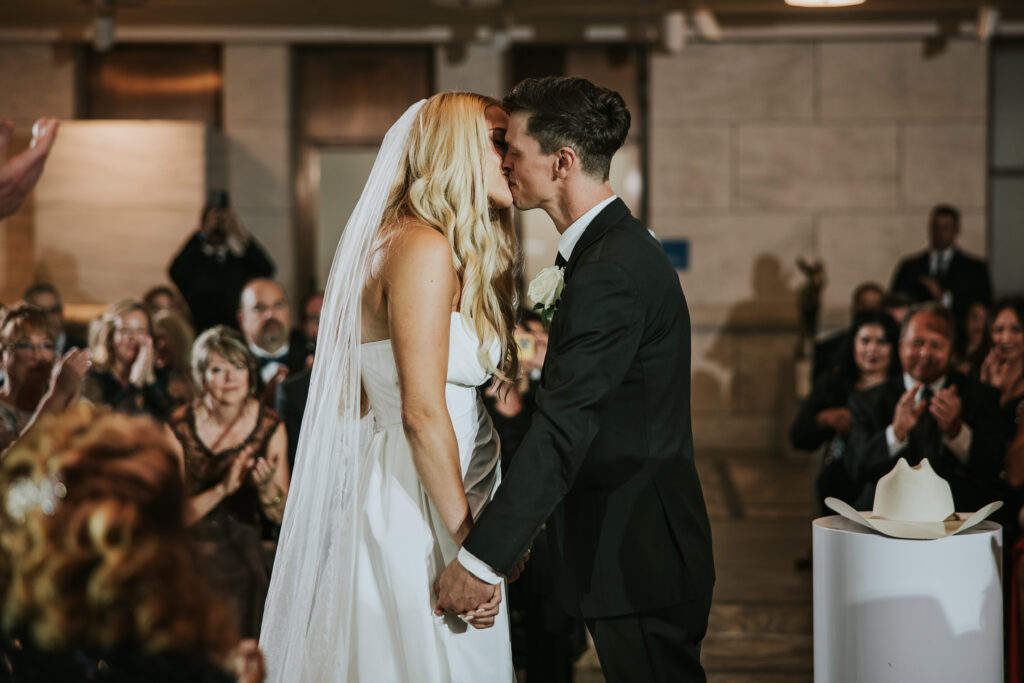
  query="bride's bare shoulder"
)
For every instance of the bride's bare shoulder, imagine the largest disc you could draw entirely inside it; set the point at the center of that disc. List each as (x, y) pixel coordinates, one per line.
(413, 244)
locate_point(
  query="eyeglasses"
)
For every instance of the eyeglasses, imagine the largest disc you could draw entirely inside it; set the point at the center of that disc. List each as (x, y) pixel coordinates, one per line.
(27, 347)
(132, 331)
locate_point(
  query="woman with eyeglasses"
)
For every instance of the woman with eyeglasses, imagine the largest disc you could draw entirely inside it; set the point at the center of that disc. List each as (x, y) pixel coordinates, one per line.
(36, 379)
(123, 375)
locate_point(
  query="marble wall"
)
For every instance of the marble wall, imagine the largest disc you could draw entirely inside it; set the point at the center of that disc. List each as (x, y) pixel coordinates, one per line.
(760, 153)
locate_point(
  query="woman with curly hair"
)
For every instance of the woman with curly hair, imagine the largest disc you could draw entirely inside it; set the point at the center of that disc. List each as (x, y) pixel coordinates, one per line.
(95, 568)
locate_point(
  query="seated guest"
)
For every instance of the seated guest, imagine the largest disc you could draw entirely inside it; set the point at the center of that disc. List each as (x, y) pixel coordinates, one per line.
(37, 381)
(828, 352)
(943, 273)
(970, 347)
(265, 319)
(1003, 367)
(95, 566)
(236, 472)
(123, 375)
(216, 262)
(172, 345)
(46, 297)
(868, 359)
(930, 412)
(164, 298)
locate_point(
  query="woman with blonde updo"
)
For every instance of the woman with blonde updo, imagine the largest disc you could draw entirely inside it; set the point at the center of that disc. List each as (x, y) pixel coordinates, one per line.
(420, 306)
(95, 566)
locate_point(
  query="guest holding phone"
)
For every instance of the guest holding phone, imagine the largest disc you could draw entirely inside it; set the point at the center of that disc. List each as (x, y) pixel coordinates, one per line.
(236, 472)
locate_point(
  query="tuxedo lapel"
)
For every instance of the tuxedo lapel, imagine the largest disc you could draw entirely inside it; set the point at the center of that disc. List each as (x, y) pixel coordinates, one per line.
(609, 216)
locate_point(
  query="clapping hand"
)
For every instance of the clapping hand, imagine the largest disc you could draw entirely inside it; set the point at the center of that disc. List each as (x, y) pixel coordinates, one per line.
(948, 412)
(68, 375)
(907, 412)
(837, 419)
(240, 468)
(141, 372)
(247, 662)
(995, 370)
(263, 472)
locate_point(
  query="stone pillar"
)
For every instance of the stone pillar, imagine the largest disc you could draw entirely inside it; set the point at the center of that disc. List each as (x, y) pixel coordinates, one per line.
(257, 127)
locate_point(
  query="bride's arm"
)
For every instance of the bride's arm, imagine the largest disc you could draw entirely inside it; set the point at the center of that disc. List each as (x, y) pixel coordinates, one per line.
(420, 286)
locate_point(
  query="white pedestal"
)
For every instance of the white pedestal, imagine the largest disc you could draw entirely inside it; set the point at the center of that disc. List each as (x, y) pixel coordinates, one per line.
(889, 610)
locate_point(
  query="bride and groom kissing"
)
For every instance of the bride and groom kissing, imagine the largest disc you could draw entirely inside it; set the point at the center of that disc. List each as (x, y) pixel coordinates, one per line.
(395, 549)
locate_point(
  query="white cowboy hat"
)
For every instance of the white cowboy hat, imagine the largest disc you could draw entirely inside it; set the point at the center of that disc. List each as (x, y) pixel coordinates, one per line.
(913, 502)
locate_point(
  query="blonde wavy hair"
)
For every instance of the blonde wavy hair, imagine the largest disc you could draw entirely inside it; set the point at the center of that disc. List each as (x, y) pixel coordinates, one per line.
(101, 331)
(441, 182)
(98, 557)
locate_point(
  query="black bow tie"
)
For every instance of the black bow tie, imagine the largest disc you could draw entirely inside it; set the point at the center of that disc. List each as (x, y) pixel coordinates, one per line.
(281, 358)
(560, 262)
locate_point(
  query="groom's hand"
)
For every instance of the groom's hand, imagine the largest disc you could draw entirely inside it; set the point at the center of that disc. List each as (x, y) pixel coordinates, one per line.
(461, 592)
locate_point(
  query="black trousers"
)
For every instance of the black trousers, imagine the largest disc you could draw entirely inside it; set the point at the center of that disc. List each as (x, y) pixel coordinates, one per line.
(662, 646)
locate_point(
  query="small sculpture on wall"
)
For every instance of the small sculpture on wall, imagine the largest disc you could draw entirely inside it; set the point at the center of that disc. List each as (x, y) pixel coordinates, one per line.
(809, 304)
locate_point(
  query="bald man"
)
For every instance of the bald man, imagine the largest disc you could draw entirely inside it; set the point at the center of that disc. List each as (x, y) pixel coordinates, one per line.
(265, 318)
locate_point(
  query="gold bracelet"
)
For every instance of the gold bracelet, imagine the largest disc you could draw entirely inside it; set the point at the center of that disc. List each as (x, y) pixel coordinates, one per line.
(273, 503)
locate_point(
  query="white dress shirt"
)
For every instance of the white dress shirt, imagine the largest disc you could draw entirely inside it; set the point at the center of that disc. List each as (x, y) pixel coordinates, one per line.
(960, 445)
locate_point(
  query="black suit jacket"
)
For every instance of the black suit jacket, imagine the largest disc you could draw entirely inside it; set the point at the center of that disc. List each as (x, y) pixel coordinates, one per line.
(290, 403)
(967, 279)
(973, 484)
(610, 448)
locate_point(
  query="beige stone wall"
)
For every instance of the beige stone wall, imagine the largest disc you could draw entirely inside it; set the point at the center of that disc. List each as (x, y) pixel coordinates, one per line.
(760, 153)
(257, 128)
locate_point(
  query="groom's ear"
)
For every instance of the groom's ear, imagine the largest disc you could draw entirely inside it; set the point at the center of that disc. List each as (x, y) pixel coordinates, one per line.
(565, 161)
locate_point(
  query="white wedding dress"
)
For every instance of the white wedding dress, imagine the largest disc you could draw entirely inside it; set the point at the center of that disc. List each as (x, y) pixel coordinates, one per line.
(402, 544)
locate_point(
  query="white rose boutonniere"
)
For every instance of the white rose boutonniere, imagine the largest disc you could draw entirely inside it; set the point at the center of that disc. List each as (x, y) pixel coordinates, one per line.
(545, 291)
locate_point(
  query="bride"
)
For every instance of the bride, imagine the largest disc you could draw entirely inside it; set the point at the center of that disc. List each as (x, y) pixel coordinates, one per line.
(419, 307)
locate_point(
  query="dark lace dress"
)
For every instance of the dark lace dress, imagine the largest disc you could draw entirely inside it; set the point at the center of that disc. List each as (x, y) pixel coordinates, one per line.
(229, 536)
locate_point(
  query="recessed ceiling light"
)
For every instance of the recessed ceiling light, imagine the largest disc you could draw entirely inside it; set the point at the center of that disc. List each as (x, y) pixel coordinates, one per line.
(823, 3)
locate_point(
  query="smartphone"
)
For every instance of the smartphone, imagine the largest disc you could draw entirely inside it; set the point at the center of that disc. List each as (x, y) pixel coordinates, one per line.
(527, 347)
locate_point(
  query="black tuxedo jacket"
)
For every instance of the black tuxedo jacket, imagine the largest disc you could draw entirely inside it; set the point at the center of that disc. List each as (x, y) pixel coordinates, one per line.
(973, 484)
(290, 403)
(967, 279)
(610, 448)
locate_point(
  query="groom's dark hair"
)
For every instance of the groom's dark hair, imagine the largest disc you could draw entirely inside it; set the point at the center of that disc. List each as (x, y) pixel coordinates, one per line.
(573, 112)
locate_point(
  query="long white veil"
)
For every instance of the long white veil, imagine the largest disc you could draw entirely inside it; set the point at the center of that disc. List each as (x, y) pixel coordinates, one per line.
(311, 585)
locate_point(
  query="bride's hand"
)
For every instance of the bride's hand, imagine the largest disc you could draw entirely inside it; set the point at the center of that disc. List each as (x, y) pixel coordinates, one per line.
(483, 616)
(520, 566)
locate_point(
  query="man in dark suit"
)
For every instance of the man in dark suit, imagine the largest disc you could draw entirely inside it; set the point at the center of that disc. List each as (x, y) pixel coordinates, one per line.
(265, 318)
(609, 454)
(930, 412)
(943, 273)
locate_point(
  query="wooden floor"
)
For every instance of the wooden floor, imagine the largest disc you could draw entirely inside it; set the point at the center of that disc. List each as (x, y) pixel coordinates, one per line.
(760, 627)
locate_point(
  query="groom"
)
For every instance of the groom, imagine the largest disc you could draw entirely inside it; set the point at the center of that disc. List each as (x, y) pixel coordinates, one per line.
(608, 460)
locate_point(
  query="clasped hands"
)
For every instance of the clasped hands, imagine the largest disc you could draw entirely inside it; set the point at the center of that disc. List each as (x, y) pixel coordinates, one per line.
(945, 406)
(473, 599)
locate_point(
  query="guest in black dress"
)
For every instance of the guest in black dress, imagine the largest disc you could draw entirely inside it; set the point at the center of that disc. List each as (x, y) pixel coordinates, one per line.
(123, 375)
(1003, 367)
(95, 565)
(868, 359)
(236, 472)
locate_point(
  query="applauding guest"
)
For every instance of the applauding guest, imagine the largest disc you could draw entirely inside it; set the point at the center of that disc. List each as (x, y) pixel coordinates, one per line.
(930, 412)
(124, 372)
(236, 471)
(1003, 367)
(37, 380)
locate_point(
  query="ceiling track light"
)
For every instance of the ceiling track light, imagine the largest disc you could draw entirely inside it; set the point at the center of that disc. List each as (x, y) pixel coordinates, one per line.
(823, 3)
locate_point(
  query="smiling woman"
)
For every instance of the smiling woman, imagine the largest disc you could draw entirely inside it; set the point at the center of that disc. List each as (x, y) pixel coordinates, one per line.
(236, 472)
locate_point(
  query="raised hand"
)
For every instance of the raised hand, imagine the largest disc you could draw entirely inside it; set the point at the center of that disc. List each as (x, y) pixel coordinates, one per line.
(141, 372)
(233, 480)
(995, 371)
(247, 662)
(263, 472)
(948, 411)
(19, 174)
(907, 412)
(68, 375)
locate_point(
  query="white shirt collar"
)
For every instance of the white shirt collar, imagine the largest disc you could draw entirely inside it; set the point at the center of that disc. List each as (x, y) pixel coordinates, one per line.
(936, 386)
(260, 352)
(567, 242)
